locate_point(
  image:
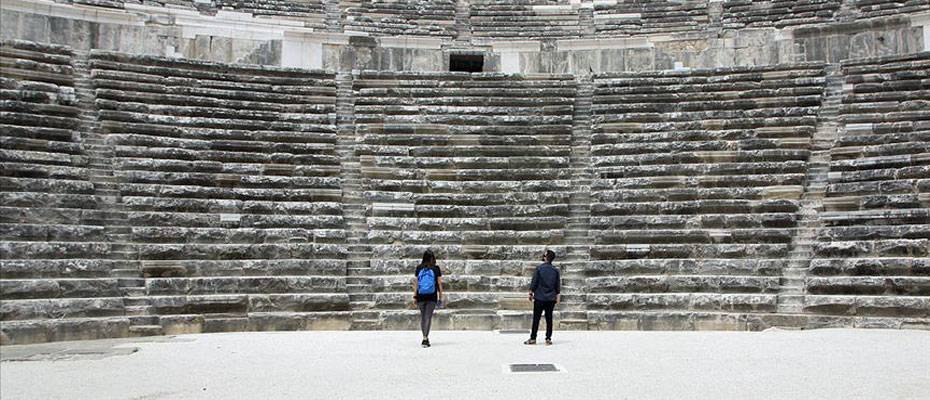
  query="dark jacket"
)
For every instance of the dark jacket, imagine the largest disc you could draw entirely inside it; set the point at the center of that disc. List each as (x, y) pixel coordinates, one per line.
(546, 283)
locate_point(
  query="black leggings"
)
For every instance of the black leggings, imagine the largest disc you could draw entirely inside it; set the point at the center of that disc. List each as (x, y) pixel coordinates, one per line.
(426, 315)
(538, 308)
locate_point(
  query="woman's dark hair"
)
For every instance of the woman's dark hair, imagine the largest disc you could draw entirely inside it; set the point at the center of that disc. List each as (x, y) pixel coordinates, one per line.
(428, 259)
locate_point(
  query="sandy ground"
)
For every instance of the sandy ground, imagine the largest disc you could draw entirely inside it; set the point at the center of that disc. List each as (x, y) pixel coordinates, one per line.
(821, 364)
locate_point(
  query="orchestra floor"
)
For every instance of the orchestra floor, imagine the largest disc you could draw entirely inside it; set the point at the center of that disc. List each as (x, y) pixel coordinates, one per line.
(813, 364)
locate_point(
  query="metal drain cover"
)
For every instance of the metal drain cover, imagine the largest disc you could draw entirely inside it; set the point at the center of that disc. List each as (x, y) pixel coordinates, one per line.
(533, 368)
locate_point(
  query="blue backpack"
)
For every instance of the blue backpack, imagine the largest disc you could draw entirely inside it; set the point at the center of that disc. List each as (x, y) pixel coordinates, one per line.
(426, 281)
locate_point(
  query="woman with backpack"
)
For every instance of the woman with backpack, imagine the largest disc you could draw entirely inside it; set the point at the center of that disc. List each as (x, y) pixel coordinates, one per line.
(427, 292)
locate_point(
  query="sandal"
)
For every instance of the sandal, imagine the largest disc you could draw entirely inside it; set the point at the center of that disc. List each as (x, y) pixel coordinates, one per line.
(530, 341)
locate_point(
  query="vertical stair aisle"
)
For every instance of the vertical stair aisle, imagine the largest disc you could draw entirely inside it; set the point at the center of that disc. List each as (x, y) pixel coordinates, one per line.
(355, 211)
(586, 18)
(99, 161)
(792, 283)
(334, 17)
(573, 314)
(462, 24)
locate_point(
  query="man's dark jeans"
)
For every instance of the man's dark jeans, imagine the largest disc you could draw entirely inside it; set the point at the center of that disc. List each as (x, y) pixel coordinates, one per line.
(538, 308)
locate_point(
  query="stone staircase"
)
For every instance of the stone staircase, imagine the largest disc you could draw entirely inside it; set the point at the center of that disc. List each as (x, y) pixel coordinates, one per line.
(462, 26)
(847, 11)
(99, 155)
(586, 18)
(334, 18)
(573, 309)
(355, 210)
(792, 290)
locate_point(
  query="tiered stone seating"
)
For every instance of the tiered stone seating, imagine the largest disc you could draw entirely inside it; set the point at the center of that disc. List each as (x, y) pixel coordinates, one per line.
(311, 12)
(55, 264)
(881, 8)
(873, 255)
(698, 179)
(402, 18)
(524, 19)
(230, 179)
(637, 17)
(472, 166)
(120, 4)
(777, 13)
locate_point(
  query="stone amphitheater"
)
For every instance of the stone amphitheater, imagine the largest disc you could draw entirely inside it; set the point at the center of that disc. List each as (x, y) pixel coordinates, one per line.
(197, 166)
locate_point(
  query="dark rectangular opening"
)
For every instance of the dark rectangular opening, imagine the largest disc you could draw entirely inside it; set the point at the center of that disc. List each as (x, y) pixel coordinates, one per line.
(466, 62)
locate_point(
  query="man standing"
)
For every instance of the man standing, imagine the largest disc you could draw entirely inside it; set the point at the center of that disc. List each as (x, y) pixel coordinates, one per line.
(545, 292)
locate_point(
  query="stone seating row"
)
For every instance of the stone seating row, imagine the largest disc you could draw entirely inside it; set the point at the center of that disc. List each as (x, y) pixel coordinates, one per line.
(871, 249)
(626, 17)
(890, 266)
(898, 306)
(61, 309)
(402, 18)
(222, 305)
(454, 283)
(881, 8)
(682, 284)
(716, 268)
(727, 302)
(777, 13)
(672, 250)
(275, 7)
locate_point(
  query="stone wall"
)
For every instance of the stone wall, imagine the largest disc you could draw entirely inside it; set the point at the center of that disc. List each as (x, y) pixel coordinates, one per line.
(576, 37)
(150, 195)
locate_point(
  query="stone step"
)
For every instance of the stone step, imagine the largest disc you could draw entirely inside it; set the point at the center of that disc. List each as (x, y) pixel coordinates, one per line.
(130, 282)
(790, 299)
(145, 330)
(125, 273)
(573, 324)
(133, 291)
(137, 310)
(358, 280)
(142, 320)
(358, 265)
(137, 301)
(358, 288)
(366, 325)
(356, 297)
(361, 305)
